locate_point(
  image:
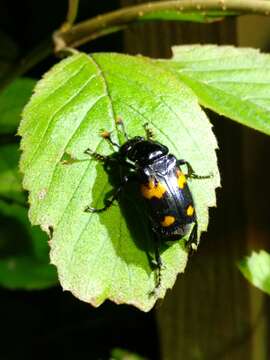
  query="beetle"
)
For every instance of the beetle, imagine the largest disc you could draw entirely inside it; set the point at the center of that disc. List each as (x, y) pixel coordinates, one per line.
(163, 186)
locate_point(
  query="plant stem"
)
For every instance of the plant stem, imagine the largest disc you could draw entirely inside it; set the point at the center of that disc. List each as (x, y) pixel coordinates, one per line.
(72, 11)
(69, 36)
(71, 15)
(115, 20)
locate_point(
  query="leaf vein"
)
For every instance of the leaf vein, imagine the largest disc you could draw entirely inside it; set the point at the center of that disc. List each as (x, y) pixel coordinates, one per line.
(162, 101)
(34, 156)
(65, 147)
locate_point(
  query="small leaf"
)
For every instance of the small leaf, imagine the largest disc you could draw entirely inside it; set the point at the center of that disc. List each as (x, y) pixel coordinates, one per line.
(12, 101)
(122, 354)
(105, 256)
(24, 272)
(169, 15)
(234, 82)
(209, 16)
(256, 269)
(24, 260)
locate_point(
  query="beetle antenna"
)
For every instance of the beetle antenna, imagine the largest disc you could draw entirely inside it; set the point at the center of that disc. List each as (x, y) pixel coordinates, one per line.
(120, 122)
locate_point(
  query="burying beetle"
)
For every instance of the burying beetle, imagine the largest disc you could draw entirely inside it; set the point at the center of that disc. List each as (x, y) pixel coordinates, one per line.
(163, 186)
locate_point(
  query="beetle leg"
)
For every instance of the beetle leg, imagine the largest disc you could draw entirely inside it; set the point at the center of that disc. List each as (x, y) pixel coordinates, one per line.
(149, 133)
(192, 242)
(191, 173)
(109, 202)
(120, 122)
(158, 264)
(107, 159)
(96, 156)
(107, 136)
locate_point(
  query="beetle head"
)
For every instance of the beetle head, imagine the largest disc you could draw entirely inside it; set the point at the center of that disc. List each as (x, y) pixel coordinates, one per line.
(142, 151)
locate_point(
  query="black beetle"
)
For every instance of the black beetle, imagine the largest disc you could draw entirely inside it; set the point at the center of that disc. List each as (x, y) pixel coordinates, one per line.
(163, 185)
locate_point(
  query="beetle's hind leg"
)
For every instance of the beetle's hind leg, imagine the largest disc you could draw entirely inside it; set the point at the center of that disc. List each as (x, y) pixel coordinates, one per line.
(158, 266)
(191, 173)
(192, 242)
(148, 132)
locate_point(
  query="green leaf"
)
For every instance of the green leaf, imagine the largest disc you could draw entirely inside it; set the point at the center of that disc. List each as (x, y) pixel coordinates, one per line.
(174, 15)
(105, 256)
(24, 260)
(170, 15)
(256, 269)
(12, 101)
(10, 179)
(122, 354)
(25, 272)
(231, 81)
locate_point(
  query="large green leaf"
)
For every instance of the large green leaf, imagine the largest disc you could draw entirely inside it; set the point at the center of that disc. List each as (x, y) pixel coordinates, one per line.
(231, 81)
(12, 101)
(104, 255)
(256, 269)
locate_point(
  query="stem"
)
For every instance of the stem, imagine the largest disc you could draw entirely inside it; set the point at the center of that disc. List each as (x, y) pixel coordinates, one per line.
(93, 28)
(71, 15)
(69, 36)
(72, 11)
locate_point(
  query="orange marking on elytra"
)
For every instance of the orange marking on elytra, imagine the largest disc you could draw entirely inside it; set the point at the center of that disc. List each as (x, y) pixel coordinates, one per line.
(153, 190)
(190, 210)
(168, 220)
(181, 179)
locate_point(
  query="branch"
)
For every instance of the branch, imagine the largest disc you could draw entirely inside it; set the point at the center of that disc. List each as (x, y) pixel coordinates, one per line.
(116, 20)
(71, 15)
(72, 36)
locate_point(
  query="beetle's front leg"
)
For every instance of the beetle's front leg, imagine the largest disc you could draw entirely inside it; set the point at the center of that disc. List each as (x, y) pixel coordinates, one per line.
(96, 156)
(191, 173)
(109, 202)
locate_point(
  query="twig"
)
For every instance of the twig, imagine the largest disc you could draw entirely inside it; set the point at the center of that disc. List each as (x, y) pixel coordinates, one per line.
(73, 36)
(93, 28)
(71, 15)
